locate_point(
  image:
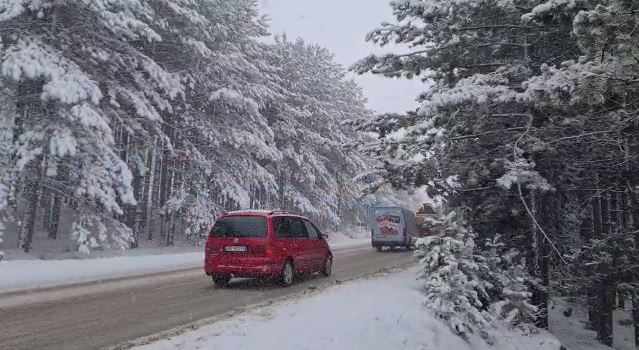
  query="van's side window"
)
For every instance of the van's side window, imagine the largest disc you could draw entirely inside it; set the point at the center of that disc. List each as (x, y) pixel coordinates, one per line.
(282, 227)
(312, 232)
(297, 228)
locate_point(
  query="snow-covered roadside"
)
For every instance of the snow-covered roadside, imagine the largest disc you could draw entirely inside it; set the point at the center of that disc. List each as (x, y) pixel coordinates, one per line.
(570, 328)
(39, 273)
(379, 313)
(16, 274)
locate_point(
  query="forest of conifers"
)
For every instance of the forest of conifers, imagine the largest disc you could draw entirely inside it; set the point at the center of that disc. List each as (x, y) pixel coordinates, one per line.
(137, 118)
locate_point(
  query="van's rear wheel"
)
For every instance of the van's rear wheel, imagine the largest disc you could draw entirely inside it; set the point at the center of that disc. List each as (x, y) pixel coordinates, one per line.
(328, 266)
(379, 248)
(221, 280)
(288, 273)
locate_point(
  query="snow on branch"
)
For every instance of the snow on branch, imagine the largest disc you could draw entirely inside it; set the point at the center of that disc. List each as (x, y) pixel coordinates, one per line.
(64, 80)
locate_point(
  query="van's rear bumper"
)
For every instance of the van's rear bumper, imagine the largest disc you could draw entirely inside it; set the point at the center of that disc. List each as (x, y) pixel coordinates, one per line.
(243, 266)
(388, 243)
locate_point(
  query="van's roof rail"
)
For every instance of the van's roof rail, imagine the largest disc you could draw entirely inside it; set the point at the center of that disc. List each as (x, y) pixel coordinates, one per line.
(278, 212)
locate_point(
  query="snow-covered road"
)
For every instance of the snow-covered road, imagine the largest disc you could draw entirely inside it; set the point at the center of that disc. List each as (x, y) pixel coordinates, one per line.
(97, 316)
(18, 274)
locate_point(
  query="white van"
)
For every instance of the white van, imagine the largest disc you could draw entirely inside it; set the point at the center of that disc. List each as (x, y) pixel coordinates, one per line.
(392, 227)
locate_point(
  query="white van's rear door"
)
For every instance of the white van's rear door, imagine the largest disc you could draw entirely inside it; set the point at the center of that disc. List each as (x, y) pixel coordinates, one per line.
(388, 225)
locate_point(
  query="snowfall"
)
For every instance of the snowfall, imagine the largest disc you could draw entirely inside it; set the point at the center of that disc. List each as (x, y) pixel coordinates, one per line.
(385, 312)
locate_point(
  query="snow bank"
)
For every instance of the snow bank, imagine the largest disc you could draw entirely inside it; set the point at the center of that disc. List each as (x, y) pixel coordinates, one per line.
(382, 313)
(349, 234)
(571, 330)
(39, 273)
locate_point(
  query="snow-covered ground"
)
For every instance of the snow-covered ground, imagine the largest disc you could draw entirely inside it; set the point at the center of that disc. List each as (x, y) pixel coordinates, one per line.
(382, 313)
(29, 273)
(571, 330)
(39, 273)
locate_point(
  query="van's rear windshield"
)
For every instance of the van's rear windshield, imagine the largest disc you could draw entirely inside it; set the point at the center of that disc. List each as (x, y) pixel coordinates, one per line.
(240, 226)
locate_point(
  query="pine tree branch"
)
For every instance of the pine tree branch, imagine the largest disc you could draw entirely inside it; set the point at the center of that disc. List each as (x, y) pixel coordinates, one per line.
(464, 137)
(458, 45)
(496, 26)
(483, 65)
(583, 135)
(510, 115)
(476, 189)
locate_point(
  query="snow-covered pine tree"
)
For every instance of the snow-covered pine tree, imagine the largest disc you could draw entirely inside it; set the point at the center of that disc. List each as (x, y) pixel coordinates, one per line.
(315, 174)
(474, 289)
(75, 91)
(509, 281)
(452, 284)
(594, 103)
(219, 132)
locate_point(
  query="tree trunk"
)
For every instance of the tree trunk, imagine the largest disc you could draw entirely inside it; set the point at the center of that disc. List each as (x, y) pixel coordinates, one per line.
(162, 216)
(597, 222)
(605, 213)
(164, 190)
(281, 190)
(135, 210)
(164, 178)
(597, 225)
(55, 216)
(45, 204)
(542, 256)
(31, 197)
(606, 296)
(135, 225)
(533, 261)
(60, 179)
(171, 232)
(149, 196)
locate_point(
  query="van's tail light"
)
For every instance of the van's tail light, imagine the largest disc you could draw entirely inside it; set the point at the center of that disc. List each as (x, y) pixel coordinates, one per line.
(213, 249)
(263, 249)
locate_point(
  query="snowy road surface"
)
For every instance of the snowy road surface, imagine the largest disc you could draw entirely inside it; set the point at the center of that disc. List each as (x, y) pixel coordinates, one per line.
(96, 318)
(19, 274)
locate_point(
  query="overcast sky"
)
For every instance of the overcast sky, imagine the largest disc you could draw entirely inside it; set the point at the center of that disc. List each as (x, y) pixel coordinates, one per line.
(341, 26)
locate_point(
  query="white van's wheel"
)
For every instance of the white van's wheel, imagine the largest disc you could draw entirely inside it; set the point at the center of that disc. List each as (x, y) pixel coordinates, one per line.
(379, 248)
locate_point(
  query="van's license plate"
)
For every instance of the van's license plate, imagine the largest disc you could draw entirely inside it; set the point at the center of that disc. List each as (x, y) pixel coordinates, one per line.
(235, 248)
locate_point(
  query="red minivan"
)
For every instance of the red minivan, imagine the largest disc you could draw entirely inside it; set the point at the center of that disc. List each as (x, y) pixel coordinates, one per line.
(256, 243)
